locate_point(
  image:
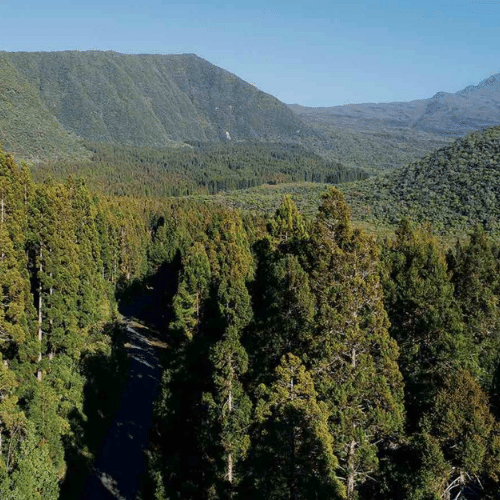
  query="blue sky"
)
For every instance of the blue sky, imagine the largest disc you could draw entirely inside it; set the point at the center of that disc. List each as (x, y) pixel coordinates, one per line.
(316, 53)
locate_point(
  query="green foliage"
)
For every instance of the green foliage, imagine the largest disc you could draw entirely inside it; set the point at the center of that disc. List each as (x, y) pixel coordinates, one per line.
(197, 168)
(288, 221)
(424, 315)
(290, 339)
(296, 458)
(475, 275)
(189, 301)
(459, 440)
(455, 187)
(56, 257)
(352, 353)
(27, 128)
(373, 147)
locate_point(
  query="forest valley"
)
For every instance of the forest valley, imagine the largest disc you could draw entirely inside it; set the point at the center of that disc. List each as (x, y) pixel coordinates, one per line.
(305, 359)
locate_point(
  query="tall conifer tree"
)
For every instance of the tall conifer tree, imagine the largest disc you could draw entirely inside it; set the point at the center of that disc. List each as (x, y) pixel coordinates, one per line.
(353, 358)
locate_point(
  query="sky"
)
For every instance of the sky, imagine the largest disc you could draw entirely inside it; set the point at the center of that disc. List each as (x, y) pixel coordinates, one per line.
(314, 53)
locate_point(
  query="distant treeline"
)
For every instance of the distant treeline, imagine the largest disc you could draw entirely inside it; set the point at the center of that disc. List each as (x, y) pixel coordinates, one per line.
(198, 168)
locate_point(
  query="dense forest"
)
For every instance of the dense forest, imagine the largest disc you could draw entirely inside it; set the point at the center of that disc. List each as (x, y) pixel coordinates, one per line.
(454, 187)
(305, 359)
(196, 168)
(306, 362)
(304, 341)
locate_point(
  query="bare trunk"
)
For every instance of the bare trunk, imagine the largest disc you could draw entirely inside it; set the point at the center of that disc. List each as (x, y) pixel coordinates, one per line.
(40, 333)
(230, 409)
(230, 468)
(351, 471)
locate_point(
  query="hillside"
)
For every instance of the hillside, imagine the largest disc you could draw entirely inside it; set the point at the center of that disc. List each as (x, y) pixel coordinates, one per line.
(140, 100)
(454, 187)
(26, 125)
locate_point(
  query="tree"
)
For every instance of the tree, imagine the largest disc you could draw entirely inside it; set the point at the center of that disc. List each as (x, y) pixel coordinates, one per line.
(459, 442)
(230, 407)
(424, 315)
(285, 311)
(287, 222)
(294, 458)
(192, 293)
(353, 359)
(475, 269)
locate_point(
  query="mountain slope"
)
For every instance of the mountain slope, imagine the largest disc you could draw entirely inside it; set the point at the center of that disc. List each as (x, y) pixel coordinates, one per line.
(454, 187)
(148, 100)
(385, 136)
(26, 125)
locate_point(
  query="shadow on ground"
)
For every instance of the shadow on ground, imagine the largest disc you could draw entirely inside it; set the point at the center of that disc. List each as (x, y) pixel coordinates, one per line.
(121, 461)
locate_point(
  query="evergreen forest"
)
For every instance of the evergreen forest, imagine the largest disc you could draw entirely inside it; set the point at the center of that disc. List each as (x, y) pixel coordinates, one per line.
(305, 359)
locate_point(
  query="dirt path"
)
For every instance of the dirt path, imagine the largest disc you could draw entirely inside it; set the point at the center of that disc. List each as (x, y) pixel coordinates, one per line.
(121, 461)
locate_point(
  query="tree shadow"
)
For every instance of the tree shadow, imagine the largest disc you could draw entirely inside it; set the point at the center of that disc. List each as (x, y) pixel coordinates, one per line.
(105, 375)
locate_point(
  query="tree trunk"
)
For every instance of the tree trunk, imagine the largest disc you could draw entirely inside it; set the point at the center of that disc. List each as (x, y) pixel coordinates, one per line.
(230, 467)
(351, 471)
(40, 333)
(230, 409)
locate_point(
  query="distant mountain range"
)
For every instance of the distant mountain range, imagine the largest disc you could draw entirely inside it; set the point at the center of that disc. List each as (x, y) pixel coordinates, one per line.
(448, 114)
(386, 136)
(49, 100)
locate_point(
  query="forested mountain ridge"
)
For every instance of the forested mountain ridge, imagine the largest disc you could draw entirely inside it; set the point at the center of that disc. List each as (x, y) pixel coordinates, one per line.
(26, 126)
(453, 188)
(149, 100)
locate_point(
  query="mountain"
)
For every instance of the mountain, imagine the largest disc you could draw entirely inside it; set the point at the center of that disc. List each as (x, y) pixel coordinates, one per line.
(146, 100)
(454, 187)
(448, 114)
(386, 136)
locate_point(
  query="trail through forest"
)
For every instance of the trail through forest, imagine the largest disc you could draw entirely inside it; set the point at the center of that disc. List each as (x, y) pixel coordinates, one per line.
(118, 468)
